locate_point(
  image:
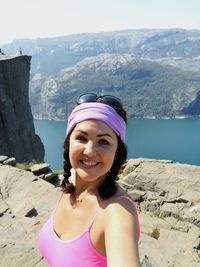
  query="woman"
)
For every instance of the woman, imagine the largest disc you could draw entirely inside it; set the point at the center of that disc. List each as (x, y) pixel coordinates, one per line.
(95, 223)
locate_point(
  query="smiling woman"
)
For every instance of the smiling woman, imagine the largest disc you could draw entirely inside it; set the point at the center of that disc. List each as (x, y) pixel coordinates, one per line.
(92, 149)
(94, 219)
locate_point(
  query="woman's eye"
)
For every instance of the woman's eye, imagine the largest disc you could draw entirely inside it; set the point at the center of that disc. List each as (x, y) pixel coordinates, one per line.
(103, 142)
(81, 138)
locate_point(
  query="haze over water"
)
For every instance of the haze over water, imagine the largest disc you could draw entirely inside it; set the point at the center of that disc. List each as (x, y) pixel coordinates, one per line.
(173, 139)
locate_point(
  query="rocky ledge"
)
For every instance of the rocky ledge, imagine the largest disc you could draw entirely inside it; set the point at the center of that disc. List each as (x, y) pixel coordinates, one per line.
(168, 199)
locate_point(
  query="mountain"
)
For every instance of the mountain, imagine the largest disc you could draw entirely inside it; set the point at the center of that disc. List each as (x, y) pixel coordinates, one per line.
(154, 71)
(50, 55)
(147, 89)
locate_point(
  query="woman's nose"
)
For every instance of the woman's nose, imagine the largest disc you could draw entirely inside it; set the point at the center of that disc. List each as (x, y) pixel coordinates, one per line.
(89, 149)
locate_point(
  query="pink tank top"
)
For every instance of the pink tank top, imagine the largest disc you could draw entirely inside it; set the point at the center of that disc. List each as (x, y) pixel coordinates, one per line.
(77, 252)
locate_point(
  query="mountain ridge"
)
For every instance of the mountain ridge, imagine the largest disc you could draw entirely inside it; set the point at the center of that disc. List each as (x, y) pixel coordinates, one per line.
(147, 89)
(176, 52)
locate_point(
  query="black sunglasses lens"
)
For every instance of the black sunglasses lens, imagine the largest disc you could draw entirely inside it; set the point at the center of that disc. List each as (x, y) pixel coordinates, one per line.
(87, 98)
(106, 99)
(111, 100)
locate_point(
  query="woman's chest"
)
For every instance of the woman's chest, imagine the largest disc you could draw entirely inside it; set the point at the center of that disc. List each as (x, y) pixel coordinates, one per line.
(70, 224)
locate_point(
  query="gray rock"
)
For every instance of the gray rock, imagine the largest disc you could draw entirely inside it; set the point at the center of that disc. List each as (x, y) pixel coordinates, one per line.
(17, 133)
(11, 161)
(145, 262)
(165, 241)
(3, 158)
(25, 203)
(41, 168)
(169, 211)
(50, 176)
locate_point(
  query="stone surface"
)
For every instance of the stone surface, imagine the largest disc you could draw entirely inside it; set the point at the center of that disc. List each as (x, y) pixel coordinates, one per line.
(17, 133)
(168, 197)
(38, 169)
(171, 239)
(3, 158)
(10, 161)
(25, 203)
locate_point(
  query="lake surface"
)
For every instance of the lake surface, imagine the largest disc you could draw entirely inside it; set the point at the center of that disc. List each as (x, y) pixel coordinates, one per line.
(175, 139)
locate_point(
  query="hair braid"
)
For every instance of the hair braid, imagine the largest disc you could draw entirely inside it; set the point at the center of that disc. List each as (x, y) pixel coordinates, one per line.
(108, 187)
(67, 187)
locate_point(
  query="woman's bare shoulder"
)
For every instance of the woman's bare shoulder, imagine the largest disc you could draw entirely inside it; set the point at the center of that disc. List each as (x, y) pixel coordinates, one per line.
(120, 197)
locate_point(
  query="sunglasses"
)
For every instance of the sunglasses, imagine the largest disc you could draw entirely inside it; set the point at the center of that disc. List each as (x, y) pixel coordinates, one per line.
(110, 100)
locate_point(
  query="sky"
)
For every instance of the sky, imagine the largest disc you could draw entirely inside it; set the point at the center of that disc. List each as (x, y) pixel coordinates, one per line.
(50, 18)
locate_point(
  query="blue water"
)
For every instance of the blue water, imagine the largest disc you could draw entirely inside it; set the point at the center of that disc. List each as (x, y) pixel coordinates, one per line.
(175, 139)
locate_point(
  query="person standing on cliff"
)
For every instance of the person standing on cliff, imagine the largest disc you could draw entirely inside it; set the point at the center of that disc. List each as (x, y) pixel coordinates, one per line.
(95, 223)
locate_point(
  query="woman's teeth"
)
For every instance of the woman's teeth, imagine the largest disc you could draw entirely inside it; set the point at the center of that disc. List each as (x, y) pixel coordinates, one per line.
(89, 163)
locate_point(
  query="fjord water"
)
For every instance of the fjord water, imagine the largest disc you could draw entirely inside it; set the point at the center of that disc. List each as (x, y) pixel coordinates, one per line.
(174, 139)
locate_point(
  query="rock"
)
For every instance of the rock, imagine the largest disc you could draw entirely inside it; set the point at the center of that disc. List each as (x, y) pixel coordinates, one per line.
(145, 261)
(3, 158)
(169, 210)
(25, 203)
(169, 221)
(50, 176)
(10, 161)
(39, 169)
(18, 138)
(137, 195)
(192, 214)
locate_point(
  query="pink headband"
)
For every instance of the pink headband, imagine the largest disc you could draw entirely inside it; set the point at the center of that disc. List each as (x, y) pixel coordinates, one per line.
(97, 111)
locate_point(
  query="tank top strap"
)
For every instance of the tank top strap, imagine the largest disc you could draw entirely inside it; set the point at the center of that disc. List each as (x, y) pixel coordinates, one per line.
(93, 219)
(101, 205)
(128, 198)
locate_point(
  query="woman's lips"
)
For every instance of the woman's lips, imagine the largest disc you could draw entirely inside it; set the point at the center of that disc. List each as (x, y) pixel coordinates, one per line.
(87, 163)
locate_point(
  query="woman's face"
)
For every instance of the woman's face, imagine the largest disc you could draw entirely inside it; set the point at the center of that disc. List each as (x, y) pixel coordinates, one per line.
(92, 149)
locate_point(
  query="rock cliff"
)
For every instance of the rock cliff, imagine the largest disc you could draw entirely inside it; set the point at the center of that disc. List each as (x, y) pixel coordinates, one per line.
(17, 133)
(168, 199)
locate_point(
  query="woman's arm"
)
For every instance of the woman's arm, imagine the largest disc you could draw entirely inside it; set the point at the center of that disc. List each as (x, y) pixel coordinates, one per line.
(121, 235)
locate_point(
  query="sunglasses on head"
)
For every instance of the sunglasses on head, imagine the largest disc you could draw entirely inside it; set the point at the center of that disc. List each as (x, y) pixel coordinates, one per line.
(110, 100)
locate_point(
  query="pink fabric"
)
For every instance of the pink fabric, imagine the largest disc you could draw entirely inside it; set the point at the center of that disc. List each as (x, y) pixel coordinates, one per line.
(77, 252)
(97, 111)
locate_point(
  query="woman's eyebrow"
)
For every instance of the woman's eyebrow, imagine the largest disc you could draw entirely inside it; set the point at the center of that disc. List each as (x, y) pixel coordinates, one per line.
(99, 135)
(104, 134)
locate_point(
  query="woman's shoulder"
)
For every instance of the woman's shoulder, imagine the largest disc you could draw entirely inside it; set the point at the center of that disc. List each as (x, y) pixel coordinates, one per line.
(121, 196)
(121, 211)
(121, 200)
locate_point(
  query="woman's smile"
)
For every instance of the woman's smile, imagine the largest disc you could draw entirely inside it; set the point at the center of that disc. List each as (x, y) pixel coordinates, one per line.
(89, 164)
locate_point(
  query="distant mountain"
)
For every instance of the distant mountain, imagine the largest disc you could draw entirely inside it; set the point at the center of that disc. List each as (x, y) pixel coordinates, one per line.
(50, 55)
(147, 89)
(154, 71)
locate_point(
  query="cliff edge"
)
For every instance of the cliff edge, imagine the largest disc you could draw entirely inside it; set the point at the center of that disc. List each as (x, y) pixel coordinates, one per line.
(17, 133)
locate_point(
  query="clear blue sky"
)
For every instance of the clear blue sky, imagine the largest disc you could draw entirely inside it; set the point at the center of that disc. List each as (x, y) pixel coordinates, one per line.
(48, 18)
